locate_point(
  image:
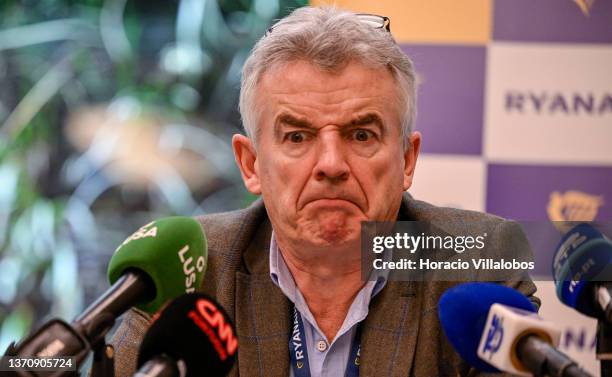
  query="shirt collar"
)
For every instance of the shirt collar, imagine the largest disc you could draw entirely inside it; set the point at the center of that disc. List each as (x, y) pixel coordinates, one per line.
(282, 278)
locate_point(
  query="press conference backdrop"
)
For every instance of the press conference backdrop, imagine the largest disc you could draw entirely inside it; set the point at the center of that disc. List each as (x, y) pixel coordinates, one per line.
(515, 109)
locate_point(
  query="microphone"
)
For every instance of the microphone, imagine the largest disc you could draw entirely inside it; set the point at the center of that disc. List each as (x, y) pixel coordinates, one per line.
(495, 328)
(580, 266)
(160, 261)
(192, 336)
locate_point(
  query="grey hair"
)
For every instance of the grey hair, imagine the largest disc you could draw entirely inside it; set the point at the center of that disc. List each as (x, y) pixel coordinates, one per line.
(329, 38)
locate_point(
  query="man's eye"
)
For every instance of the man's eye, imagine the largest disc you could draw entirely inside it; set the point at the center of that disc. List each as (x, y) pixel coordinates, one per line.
(296, 137)
(362, 135)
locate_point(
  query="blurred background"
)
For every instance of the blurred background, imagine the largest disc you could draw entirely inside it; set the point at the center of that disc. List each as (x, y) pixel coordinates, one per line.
(112, 113)
(116, 112)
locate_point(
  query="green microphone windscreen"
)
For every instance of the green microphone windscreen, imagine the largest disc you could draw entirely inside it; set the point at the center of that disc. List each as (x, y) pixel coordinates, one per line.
(172, 251)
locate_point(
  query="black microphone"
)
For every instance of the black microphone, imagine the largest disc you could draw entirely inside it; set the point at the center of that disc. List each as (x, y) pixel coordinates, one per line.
(191, 337)
(582, 271)
(160, 261)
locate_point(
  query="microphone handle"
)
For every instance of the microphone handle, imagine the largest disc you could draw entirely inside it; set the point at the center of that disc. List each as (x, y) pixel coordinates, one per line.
(159, 366)
(132, 287)
(542, 359)
(603, 296)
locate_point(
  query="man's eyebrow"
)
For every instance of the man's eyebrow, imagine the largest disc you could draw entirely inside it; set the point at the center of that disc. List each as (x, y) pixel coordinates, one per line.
(367, 119)
(286, 119)
(293, 121)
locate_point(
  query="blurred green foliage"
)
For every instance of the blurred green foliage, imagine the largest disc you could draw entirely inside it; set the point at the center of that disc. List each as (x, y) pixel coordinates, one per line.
(175, 64)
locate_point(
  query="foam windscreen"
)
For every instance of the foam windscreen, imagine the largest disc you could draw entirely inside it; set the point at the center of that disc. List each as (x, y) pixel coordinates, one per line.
(193, 330)
(582, 257)
(463, 312)
(171, 251)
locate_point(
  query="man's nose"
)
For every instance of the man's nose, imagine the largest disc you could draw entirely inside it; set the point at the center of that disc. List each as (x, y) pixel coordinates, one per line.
(331, 158)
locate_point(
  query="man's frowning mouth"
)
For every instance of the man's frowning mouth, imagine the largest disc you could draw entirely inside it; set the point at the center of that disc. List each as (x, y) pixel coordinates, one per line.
(331, 202)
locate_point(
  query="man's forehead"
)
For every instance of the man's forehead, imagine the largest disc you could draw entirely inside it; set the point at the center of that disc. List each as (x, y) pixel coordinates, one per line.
(318, 96)
(302, 84)
(310, 76)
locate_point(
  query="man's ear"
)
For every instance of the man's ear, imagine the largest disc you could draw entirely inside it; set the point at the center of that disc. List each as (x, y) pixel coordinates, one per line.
(246, 159)
(410, 158)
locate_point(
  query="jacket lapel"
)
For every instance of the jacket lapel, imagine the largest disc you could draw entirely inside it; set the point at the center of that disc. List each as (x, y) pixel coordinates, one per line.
(390, 331)
(262, 314)
(391, 328)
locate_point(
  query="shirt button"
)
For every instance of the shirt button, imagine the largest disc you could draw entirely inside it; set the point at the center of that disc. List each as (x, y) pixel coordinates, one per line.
(321, 346)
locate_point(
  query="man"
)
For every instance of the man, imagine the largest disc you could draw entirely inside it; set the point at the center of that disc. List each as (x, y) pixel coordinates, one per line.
(328, 105)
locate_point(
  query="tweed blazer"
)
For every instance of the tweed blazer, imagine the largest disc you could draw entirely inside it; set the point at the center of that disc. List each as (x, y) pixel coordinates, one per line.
(401, 335)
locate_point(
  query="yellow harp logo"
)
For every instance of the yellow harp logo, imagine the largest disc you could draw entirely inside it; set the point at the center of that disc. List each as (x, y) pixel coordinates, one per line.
(585, 6)
(573, 206)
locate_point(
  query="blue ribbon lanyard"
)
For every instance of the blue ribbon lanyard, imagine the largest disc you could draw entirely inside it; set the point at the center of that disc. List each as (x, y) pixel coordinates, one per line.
(299, 353)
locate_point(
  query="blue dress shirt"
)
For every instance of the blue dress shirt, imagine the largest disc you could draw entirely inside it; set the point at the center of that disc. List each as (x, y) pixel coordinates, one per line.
(326, 358)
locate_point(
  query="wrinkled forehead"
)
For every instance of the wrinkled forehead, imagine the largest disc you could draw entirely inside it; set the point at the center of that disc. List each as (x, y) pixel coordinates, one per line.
(318, 85)
(304, 70)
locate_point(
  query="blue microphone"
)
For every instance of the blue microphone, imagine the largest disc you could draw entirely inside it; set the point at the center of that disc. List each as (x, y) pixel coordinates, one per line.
(582, 271)
(496, 329)
(463, 313)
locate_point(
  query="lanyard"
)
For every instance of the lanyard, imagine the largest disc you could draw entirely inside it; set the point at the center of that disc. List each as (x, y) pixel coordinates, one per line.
(299, 353)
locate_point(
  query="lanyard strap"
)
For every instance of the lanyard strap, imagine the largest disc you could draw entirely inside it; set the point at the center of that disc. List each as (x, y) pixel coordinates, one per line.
(299, 352)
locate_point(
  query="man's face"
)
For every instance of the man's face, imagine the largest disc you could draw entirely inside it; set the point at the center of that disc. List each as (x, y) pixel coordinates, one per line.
(329, 152)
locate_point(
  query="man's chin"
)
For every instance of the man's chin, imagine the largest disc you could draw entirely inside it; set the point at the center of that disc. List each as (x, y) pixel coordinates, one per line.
(334, 239)
(331, 228)
(336, 236)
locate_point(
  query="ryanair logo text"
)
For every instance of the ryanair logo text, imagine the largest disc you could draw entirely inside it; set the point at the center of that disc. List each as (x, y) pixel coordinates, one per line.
(551, 103)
